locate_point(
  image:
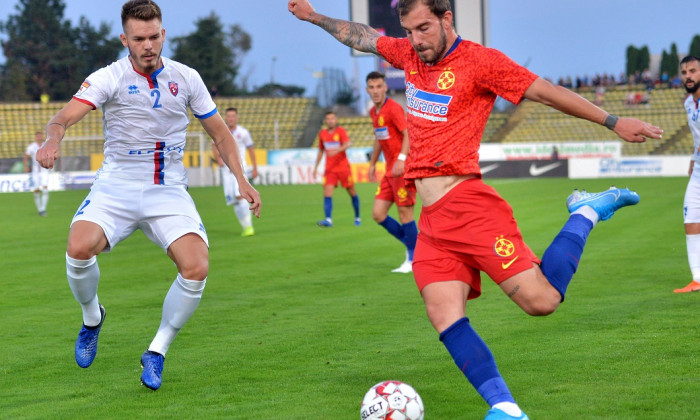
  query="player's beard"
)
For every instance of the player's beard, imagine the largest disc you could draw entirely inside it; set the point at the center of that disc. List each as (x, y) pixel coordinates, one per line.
(439, 49)
(692, 89)
(147, 69)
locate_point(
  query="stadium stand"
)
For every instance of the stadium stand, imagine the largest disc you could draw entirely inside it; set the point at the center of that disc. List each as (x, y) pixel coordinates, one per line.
(293, 122)
(664, 108)
(273, 123)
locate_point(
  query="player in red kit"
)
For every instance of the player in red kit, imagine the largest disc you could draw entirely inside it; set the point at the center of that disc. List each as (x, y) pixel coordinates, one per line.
(334, 141)
(391, 139)
(465, 226)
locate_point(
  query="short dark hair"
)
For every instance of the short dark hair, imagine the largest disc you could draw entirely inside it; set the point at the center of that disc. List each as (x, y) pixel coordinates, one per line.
(375, 75)
(689, 58)
(141, 10)
(328, 113)
(232, 108)
(437, 7)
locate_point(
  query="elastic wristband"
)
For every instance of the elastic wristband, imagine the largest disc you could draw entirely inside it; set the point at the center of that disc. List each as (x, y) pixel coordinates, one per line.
(610, 121)
(401, 157)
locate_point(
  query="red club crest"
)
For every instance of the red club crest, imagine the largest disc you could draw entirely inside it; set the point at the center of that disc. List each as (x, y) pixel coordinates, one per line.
(173, 88)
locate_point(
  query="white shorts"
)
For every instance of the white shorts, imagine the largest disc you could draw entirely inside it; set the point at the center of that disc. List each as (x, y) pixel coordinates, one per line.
(691, 203)
(40, 179)
(230, 184)
(163, 212)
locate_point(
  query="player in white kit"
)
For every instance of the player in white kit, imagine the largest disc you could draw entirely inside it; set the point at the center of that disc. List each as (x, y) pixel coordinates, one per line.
(40, 176)
(690, 75)
(142, 183)
(228, 179)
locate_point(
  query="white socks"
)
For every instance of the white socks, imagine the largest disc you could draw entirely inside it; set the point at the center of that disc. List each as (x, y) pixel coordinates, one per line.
(180, 302)
(83, 276)
(44, 200)
(588, 213)
(41, 200)
(693, 245)
(509, 408)
(242, 210)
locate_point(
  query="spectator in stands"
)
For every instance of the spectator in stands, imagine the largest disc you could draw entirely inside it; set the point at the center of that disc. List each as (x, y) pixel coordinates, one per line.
(391, 139)
(465, 226)
(333, 141)
(40, 176)
(233, 196)
(142, 183)
(690, 73)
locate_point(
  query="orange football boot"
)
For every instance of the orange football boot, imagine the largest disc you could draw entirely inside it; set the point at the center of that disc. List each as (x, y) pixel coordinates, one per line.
(693, 286)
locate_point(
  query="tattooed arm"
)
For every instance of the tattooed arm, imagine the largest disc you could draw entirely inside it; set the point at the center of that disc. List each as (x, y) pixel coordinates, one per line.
(355, 35)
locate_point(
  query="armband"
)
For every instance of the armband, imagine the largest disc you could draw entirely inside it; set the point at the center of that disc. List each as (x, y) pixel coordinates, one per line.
(401, 157)
(610, 121)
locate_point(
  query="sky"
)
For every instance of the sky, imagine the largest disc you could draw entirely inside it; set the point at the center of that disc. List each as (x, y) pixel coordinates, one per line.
(554, 38)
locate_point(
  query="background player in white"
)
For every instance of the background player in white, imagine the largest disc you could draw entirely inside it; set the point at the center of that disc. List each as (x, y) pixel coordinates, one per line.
(228, 179)
(690, 75)
(142, 183)
(40, 176)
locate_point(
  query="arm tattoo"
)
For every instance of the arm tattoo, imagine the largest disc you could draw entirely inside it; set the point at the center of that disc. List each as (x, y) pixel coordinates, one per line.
(355, 35)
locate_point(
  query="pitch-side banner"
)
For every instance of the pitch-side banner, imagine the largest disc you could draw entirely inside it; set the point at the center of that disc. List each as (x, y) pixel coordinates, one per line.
(536, 151)
(525, 169)
(634, 166)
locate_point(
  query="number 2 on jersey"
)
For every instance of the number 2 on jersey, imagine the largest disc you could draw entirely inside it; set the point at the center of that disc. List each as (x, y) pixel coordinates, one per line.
(156, 93)
(80, 210)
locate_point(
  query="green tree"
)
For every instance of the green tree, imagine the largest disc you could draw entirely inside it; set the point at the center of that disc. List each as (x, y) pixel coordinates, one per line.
(632, 59)
(216, 54)
(277, 90)
(46, 54)
(669, 62)
(695, 46)
(637, 59)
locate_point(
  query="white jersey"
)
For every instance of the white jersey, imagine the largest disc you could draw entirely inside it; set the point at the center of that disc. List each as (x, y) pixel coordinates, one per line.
(31, 151)
(692, 107)
(243, 141)
(145, 119)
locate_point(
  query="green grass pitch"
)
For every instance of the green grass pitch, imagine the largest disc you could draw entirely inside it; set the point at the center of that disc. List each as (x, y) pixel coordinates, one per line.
(298, 322)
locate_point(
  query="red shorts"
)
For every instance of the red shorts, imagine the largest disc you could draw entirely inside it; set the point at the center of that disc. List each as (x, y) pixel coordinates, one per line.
(393, 189)
(470, 229)
(343, 176)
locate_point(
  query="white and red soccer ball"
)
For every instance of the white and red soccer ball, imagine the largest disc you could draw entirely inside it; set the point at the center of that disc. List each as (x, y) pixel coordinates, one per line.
(392, 400)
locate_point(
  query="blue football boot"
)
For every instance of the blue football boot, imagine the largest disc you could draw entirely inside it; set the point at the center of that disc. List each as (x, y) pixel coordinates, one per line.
(496, 414)
(86, 344)
(152, 364)
(604, 203)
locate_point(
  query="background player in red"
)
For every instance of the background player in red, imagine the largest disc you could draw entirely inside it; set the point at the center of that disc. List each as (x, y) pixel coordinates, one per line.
(391, 139)
(334, 141)
(465, 226)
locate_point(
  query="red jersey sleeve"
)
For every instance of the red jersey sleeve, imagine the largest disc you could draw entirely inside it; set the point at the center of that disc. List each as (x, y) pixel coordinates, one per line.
(398, 117)
(394, 50)
(502, 76)
(343, 135)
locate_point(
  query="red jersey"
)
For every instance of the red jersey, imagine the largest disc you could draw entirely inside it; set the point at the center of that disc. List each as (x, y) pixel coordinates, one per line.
(448, 103)
(389, 123)
(332, 140)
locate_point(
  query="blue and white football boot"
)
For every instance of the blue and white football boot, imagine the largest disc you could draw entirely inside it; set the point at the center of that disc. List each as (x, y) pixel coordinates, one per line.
(604, 203)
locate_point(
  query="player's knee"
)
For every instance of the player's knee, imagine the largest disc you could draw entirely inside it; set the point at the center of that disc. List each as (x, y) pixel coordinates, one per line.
(378, 216)
(79, 249)
(543, 305)
(441, 318)
(195, 270)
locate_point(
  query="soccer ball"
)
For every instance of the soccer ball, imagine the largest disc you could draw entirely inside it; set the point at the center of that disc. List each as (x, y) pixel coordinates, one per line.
(392, 400)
